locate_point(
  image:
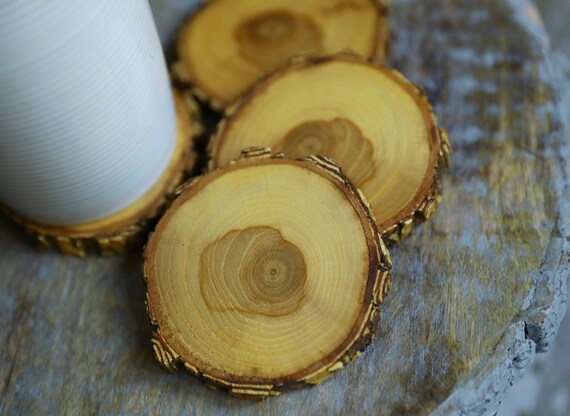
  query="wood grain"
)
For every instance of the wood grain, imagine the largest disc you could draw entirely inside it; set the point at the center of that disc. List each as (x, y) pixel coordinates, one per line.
(290, 109)
(225, 45)
(476, 290)
(263, 302)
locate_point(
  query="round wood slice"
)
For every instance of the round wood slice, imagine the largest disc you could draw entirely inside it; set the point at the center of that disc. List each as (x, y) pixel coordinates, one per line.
(226, 45)
(266, 275)
(377, 125)
(126, 229)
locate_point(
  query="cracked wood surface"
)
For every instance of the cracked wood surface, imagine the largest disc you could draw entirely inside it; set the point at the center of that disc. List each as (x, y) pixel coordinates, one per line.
(488, 268)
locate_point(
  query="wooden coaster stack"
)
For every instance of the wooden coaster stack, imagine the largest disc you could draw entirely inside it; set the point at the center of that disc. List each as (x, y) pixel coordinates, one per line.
(267, 272)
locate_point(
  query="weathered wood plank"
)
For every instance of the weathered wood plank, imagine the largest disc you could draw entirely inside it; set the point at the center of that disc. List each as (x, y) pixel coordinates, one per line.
(469, 285)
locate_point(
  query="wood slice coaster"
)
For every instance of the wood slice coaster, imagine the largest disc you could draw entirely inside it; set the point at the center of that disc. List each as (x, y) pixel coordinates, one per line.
(126, 229)
(227, 45)
(377, 125)
(279, 291)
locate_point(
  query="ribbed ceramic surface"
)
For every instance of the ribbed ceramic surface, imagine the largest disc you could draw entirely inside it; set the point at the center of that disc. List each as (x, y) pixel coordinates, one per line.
(87, 120)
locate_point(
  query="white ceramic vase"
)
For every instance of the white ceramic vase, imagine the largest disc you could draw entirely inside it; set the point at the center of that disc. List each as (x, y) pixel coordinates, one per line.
(87, 120)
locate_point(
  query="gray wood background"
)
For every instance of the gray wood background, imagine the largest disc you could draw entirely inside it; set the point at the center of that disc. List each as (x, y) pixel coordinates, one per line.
(477, 291)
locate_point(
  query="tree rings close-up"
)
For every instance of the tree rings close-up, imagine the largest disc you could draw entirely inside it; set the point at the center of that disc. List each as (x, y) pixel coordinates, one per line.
(226, 45)
(378, 126)
(265, 275)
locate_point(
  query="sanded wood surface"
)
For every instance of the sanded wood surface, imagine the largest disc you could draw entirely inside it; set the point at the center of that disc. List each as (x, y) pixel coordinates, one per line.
(278, 294)
(476, 292)
(370, 119)
(226, 45)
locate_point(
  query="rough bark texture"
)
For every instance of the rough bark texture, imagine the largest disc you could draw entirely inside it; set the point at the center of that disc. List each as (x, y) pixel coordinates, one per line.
(123, 232)
(357, 339)
(492, 261)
